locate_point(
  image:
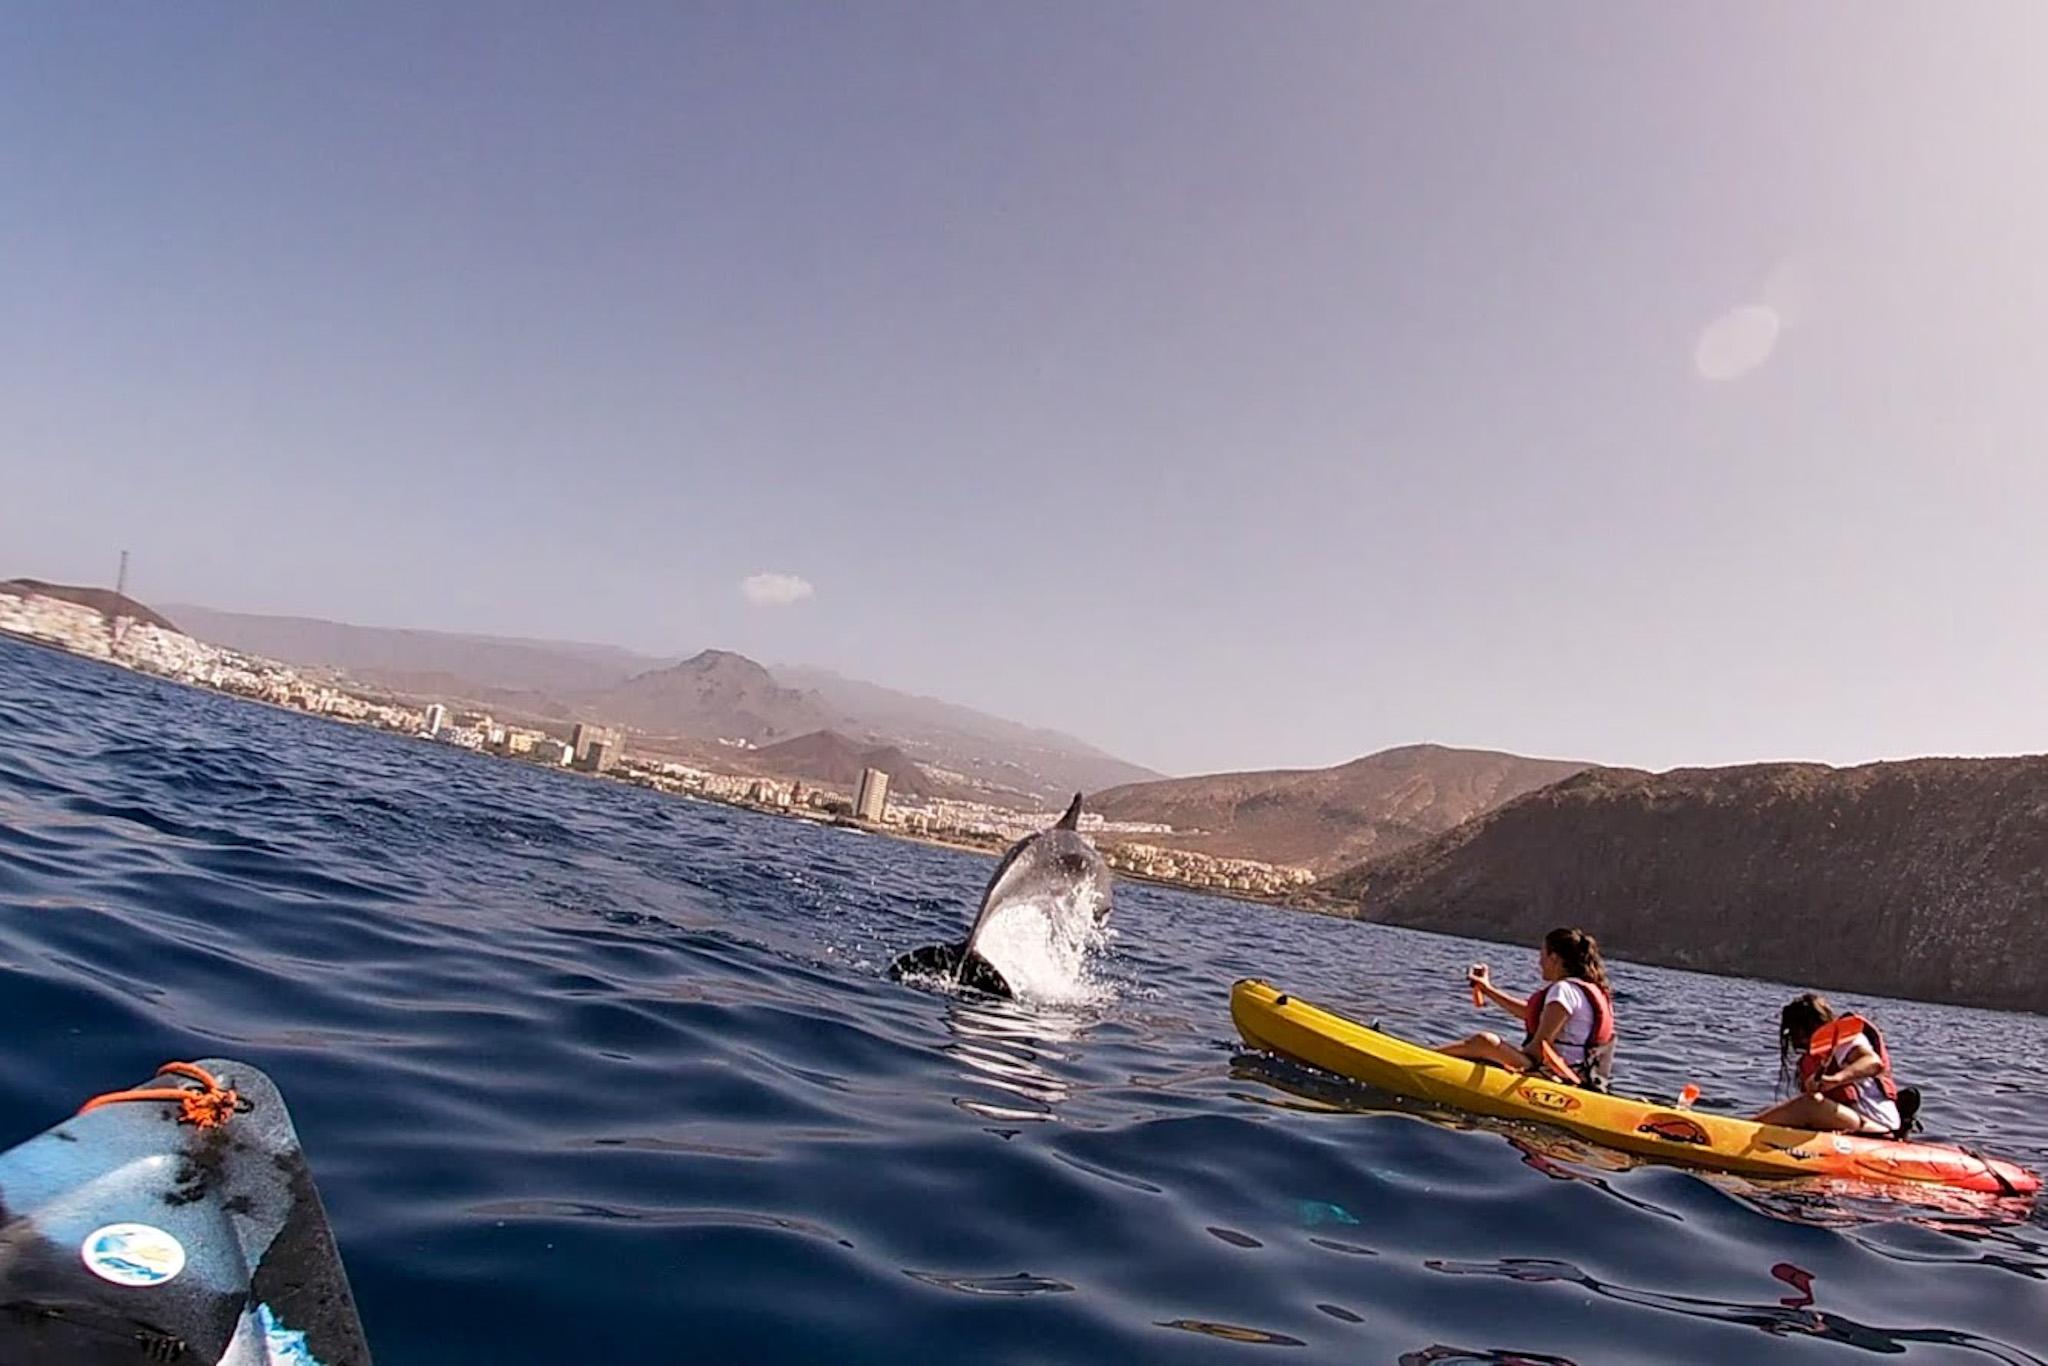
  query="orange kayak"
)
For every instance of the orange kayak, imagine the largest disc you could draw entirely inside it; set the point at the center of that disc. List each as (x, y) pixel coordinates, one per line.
(1277, 1022)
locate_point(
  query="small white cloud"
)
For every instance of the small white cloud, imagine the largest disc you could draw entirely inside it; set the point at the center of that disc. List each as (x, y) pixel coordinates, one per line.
(775, 590)
(1738, 341)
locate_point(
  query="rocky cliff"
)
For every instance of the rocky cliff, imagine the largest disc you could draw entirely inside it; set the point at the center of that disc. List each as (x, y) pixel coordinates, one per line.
(1926, 879)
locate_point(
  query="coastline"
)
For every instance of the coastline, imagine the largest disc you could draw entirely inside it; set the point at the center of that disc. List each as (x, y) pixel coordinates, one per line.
(962, 846)
(1306, 904)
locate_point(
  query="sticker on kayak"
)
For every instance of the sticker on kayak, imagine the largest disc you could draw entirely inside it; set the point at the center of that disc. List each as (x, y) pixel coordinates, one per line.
(132, 1254)
(1562, 1102)
(1677, 1128)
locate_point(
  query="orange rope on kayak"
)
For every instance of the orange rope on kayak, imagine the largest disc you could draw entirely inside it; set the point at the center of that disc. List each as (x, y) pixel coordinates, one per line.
(208, 1108)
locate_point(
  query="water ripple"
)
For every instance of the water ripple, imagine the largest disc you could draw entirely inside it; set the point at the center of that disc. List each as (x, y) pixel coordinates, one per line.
(590, 1074)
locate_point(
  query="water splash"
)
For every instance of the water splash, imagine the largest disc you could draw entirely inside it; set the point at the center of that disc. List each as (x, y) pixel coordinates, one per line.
(1043, 946)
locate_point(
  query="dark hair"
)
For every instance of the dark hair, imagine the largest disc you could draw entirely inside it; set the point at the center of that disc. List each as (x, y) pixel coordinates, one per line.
(1797, 1022)
(1799, 1019)
(1580, 954)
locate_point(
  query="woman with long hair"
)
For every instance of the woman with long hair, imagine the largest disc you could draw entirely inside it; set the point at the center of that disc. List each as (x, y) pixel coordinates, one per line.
(1572, 1013)
(1839, 1073)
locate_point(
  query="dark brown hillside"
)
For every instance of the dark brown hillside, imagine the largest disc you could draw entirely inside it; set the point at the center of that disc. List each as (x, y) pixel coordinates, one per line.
(828, 757)
(1927, 878)
(1329, 818)
(713, 694)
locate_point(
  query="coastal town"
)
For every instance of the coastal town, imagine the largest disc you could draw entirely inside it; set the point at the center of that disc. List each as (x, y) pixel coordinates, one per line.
(601, 751)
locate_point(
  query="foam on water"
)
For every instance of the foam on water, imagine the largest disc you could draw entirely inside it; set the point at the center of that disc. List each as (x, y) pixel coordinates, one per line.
(1045, 947)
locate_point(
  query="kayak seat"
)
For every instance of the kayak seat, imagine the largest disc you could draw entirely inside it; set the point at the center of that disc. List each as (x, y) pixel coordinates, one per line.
(1909, 1112)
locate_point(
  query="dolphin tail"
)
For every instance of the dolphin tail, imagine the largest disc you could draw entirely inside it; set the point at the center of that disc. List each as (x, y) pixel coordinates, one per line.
(955, 963)
(933, 960)
(1072, 820)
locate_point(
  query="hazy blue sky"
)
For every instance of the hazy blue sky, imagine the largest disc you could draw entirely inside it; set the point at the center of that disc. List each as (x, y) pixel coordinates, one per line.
(1232, 385)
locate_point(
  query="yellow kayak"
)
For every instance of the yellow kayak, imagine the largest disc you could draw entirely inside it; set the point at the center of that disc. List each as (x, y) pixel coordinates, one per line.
(1272, 1020)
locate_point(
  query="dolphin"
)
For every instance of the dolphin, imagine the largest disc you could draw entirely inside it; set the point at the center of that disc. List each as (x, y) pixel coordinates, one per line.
(1050, 868)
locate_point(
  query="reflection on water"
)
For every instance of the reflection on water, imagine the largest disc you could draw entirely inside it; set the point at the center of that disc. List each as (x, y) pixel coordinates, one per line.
(1791, 1315)
(1329, 1093)
(1558, 1159)
(1833, 1202)
(1233, 1332)
(1006, 1047)
(1466, 1356)
(1564, 1156)
(1023, 1283)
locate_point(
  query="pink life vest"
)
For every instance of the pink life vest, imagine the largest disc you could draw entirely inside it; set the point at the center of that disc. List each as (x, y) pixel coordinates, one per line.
(1597, 1064)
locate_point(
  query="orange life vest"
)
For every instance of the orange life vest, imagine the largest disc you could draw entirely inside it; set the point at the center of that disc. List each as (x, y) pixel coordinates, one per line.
(1815, 1060)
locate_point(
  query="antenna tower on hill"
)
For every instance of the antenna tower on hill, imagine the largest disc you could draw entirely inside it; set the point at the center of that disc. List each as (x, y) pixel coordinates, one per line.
(117, 620)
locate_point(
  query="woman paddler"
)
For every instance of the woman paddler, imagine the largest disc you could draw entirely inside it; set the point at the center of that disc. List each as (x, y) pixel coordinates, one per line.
(1569, 1020)
(1840, 1074)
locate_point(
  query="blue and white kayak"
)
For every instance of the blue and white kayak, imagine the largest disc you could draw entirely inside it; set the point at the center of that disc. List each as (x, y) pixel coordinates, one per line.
(174, 1225)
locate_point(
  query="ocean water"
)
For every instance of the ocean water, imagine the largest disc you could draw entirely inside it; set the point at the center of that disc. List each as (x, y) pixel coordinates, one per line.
(588, 1074)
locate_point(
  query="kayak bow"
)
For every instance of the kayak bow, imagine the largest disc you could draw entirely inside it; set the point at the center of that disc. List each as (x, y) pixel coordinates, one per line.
(175, 1223)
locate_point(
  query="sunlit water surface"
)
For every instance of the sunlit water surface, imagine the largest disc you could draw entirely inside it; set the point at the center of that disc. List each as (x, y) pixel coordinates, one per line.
(589, 1074)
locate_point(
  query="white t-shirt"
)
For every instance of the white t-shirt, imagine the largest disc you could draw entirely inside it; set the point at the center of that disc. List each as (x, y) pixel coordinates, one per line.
(1870, 1098)
(1579, 1025)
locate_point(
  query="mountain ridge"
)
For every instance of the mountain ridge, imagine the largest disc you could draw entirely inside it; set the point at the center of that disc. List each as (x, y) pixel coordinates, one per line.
(1922, 878)
(513, 663)
(714, 694)
(919, 720)
(1328, 818)
(539, 679)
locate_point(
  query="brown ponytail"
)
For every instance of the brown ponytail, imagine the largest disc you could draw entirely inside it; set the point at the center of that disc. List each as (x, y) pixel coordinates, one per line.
(1797, 1024)
(1580, 954)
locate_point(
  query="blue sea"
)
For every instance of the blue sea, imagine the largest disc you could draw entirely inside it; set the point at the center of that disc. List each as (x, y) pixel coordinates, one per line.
(589, 1074)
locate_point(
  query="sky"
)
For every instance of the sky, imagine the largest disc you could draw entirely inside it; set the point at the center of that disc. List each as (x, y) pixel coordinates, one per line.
(1231, 385)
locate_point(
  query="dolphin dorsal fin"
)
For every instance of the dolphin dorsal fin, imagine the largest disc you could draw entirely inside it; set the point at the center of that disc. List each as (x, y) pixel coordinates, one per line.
(1072, 820)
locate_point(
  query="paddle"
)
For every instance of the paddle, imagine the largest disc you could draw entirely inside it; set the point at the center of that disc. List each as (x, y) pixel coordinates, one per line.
(1687, 1094)
(1548, 1055)
(1479, 981)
